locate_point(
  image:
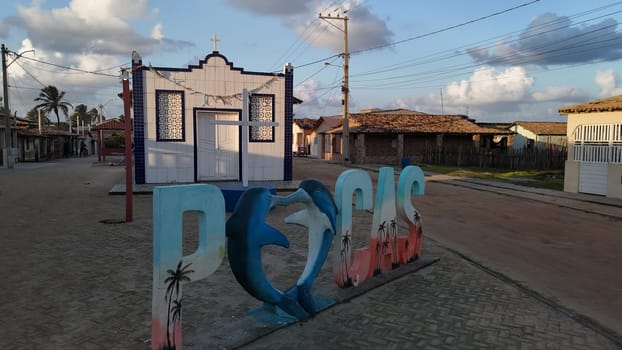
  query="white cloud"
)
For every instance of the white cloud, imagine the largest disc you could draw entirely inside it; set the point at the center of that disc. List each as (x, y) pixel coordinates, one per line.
(486, 86)
(608, 82)
(552, 40)
(317, 100)
(156, 32)
(273, 7)
(365, 29)
(491, 95)
(559, 93)
(88, 26)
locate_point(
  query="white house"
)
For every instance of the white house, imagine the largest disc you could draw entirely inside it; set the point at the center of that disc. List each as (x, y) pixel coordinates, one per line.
(541, 135)
(189, 125)
(594, 162)
(303, 129)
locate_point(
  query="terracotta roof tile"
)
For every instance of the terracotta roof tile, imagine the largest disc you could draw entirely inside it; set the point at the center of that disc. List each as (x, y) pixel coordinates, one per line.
(388, 111)
(45, 131)
(307, 123)
(544, 128)
(417, 123)
(112, 124)
(332, 122)
(610, 104)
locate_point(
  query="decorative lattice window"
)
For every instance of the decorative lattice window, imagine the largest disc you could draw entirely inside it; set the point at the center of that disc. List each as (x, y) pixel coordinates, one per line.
(262, 110)
(170, 115)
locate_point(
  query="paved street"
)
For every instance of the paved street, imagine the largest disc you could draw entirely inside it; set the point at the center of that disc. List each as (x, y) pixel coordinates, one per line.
(72, 281)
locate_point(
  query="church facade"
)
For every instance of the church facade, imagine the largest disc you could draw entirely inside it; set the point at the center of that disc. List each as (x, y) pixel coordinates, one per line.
(189, 122)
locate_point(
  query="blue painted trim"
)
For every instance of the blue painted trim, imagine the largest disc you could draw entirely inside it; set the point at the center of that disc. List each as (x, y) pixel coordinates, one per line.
(183, 115)
(195, 111)
(250, 129)
(287, 129)
(139, 121)
(216, 54)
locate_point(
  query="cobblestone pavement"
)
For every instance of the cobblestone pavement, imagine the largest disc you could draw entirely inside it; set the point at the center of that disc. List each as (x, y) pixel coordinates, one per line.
(72, 280)
(449, 305)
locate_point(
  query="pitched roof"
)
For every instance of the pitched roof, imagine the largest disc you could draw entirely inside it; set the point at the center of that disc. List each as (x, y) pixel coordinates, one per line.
(417, 123)
(544, 128)
(307, 123)
(495, 125)
(112, 124)
(609, 104)
(332, 122)
(45, 131)
(389, 111)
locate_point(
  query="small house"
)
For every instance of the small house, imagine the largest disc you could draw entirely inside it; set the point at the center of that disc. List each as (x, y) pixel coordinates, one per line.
(594, 163)
(391, 137)
(539, 135)
(303, 129)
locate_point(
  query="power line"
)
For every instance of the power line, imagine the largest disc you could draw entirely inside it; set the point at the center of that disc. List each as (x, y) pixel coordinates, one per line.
(29, 74)
(427, 34)
(71, 68)
(513, 58)
(448, 28)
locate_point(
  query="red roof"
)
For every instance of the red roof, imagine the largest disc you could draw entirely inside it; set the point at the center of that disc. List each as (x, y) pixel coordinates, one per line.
(307, 123)
(609, 104)
(112, 124)
(544, 128)
(375, 123)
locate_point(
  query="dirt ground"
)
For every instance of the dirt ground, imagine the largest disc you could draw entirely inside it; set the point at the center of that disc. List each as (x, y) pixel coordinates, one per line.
(566, 255)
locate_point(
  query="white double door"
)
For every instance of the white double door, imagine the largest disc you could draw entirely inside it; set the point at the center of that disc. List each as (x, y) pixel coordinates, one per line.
(218, 156)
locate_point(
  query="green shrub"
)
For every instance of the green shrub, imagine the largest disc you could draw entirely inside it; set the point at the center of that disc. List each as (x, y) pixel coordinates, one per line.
(115, 141)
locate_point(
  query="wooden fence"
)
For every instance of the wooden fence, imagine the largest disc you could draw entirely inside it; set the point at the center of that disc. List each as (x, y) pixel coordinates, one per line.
(550, 158)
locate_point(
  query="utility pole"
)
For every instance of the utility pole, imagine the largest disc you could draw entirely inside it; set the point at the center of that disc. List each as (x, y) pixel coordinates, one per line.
(7, 112)
(345, 139)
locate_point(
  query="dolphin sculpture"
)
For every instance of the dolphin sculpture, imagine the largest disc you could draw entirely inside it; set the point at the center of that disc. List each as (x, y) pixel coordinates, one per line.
(319, 218)
(247, 232)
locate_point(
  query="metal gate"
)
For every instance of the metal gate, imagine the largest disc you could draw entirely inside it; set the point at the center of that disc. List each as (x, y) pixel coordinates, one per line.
(595, 146)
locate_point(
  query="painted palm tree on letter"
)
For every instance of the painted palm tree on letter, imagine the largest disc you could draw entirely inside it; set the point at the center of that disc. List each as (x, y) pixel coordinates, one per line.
(176, 315)
(51, 101)
(393, 237)
(380, 236)
(174, 280)
(344, 256)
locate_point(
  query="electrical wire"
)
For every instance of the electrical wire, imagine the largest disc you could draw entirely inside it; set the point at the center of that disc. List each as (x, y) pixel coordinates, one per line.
(515, 58)
(29, 74)
(458, 51)
(447, 28)
(70, 68)
(435, 58)
(426, 34)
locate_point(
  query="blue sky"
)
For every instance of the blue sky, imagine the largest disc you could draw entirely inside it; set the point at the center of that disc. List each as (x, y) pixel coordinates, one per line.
(492, 60)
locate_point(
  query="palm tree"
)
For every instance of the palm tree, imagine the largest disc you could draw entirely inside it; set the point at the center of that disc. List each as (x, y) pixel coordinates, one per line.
(51, 101)
(94, 113)
(81, 111)
(174, 280)
(33, 115)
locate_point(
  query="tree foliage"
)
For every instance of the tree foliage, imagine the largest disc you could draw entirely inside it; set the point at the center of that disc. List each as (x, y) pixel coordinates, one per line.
(88, 116)
(33, 115)
(52, 101)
